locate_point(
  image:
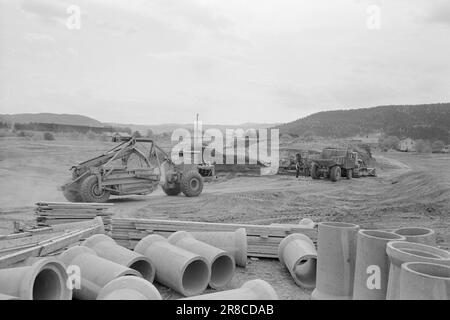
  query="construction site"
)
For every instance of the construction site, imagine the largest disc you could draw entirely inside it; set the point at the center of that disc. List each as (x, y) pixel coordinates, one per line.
(219, 151)
(225, 234)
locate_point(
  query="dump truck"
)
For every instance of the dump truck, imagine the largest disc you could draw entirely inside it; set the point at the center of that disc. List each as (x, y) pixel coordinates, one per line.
(136, 166)
(334, 163)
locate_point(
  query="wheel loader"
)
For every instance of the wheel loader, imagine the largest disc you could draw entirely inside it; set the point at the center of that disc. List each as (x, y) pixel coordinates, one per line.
(136, 166)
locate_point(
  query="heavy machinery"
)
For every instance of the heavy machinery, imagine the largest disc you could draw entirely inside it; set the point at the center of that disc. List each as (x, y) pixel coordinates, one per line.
(135, 166)
(361, 169)
(334, 163)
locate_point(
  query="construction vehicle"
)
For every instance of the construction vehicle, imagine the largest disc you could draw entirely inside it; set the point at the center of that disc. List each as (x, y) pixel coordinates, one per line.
(361, 169)
(334, 163)
(134, 167)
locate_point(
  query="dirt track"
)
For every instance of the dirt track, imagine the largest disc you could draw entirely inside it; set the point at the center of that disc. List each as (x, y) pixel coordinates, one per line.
(409, 190)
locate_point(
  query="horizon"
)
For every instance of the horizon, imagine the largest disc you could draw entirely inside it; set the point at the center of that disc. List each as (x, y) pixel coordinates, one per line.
(221, 124)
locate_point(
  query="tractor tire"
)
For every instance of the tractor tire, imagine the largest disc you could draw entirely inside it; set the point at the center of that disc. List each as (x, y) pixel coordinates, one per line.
(72, 196)
(89, 190)
(349, 174)
(314, 171)
(335, 174)
(191, 183)
(172, 191)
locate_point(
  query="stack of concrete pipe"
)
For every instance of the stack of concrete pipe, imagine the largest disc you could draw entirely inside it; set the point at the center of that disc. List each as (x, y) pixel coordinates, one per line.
(373, 264)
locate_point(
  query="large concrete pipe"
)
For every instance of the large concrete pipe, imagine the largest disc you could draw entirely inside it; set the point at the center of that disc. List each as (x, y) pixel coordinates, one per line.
(400, 252)
(233, 242)
(336, 255)
(418, 235)
(107, 248)
(176, 268)
(45, 279)
(6, 297)
(221, 263)
(251, 290)
(95, 272)
(372, 264)
(129, 288)
(424, 281)
(298, 253)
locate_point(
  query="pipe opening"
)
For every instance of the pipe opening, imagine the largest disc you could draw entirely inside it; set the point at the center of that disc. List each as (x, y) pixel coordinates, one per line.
(339, 224)
(382, 234)
(305, 272)
(413, 231)
(195, 277)
(421, 253)
(429, 269)
(144, 268)
(47, 285)
(221, 271)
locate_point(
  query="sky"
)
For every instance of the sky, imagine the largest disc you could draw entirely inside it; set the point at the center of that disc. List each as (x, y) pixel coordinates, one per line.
(231, 61)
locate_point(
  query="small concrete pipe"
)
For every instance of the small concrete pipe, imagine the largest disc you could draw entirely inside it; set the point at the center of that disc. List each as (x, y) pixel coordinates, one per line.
(45, 279)
(250, 290)
(400, 252)
(107, 248)
(176, 268)
(129, 288)
(95, 272)
(234, 242)
(424, 281)
(372, 264)
(298, 253)
(336, 255)
(221, 263)
(418, 235)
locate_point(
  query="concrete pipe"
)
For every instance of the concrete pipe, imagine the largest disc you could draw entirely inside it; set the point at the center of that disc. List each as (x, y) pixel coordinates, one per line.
(95, 272)
(424, 281)
(336, 255)
(6, 297)
(372, 264)
(176, 268)
(129, 288)
(221, 263)
(250, 290)
(418, 235)
(234, 242)
(45, 279)
(107, 248)
(298, 253)
(400, 252)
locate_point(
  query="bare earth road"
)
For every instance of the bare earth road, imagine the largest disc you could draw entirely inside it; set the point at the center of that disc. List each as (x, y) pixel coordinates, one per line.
(410, 190)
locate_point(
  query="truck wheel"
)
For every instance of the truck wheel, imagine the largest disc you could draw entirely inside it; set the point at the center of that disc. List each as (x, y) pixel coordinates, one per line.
(90, 191)
(335, 173)
(349, 174)
(315, 171)
(172, 191)
(72, 195)
(191, 183)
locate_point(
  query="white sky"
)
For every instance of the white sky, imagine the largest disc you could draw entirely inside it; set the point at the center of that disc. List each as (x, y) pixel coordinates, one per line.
(233, 61)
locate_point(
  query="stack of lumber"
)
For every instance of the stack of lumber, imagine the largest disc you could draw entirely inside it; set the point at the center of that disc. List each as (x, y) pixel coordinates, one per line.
(17, 247)
(263, 240)
(52, 213)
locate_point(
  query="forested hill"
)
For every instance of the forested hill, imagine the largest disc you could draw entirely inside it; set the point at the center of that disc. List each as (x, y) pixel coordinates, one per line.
(430, 121)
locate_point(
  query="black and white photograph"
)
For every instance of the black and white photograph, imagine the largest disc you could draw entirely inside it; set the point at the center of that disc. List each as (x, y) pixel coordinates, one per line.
(224, 154)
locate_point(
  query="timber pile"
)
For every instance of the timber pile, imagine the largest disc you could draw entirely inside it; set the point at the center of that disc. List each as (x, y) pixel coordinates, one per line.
(53, 213)
(262, 240)
(17, 247)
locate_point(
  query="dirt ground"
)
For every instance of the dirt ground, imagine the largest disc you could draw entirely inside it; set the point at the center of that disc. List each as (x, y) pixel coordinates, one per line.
(410, 190)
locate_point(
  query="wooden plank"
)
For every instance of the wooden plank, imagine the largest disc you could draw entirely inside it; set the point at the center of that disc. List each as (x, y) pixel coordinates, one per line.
(52, 245)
